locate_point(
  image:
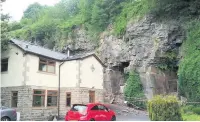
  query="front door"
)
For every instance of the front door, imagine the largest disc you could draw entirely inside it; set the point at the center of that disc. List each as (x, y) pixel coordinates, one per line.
(91, 96)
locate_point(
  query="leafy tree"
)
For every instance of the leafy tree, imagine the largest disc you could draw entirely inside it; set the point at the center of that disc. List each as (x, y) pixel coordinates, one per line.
(33, 11)
(4, 32)
(189, 73)
(134, 89)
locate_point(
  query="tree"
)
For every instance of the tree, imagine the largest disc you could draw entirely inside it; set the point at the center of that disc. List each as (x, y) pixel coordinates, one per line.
(4, 32)
(134, 89)
(133, 86)
(33, 11)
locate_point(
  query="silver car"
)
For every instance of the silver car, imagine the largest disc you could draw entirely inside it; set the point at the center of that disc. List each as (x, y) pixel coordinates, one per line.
(8, 114)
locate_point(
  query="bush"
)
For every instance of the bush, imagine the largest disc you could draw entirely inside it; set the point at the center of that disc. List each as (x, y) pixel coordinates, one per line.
(164, 109)
(196, 110)
(187, 108)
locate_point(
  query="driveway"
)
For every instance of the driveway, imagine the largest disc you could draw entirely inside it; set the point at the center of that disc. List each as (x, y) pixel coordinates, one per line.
(125, 113)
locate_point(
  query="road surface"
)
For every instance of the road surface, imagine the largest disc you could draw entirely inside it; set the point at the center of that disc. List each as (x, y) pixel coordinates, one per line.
(124, 113)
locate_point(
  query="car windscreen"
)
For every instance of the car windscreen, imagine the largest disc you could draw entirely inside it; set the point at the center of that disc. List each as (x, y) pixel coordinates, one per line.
(79, 108)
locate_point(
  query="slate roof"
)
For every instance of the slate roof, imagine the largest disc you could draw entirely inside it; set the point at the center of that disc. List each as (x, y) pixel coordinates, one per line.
(38, 50)
(41, 51)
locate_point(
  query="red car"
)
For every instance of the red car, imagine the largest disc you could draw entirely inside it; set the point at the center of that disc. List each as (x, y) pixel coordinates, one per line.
(90, 112)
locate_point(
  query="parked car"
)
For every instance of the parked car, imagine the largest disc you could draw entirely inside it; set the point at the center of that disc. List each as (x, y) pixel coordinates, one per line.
(8, 114)
(90, 112)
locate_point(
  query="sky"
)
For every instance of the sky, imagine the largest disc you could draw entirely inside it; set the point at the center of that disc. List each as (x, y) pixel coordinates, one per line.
(15, 8)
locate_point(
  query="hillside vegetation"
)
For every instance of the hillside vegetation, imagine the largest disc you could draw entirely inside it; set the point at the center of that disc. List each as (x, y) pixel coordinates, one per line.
(54, 25)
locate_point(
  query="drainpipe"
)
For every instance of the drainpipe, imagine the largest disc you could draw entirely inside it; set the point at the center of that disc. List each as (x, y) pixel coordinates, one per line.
(59, 91)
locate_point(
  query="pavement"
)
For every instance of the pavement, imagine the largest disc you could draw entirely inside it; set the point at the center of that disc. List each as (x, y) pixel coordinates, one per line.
(124, 113)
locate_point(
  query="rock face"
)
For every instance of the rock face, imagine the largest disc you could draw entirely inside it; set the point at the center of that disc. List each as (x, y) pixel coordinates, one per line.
(80, 42)
(148, 46)
(144, 47)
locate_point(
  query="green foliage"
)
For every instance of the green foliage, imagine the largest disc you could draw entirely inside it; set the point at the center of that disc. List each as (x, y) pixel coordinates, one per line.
(196, 110)
(187, 109)
(42, 23)
(134, 89)
(164, 109)
(189, 114)
(191, 117)
(33, 11)
(176, 9)
(131, 10)
(4, 32)
(168, 61)
(189, 73)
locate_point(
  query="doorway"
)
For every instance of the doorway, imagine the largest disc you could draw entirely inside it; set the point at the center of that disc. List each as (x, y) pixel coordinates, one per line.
(91, 96)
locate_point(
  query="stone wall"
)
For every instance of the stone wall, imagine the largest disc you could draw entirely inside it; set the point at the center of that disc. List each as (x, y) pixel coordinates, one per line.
(25, 97)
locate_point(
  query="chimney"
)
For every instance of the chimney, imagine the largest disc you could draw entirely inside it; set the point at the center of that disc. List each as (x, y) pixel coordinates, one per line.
(68, 52)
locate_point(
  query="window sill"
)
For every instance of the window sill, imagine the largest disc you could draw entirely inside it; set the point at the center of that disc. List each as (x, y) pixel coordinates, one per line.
(42, 108)
(52, 106)
(5, 72)
(38, 108)
(47, 73)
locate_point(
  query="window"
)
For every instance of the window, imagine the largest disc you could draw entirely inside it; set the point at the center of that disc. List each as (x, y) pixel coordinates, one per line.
(38, 98)
(95, 108)
(4, 65)
(102, 108)
(79, 108)
(68, 99)
(52, 98)
(14, 99)
(47, 66)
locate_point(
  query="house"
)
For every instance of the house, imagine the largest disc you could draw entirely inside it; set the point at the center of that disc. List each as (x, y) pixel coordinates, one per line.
(33, 78)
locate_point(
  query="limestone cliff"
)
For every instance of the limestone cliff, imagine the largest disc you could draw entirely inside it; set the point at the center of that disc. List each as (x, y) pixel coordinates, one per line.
(149, 46)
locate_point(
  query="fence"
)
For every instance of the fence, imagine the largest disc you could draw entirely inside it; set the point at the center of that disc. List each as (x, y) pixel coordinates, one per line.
(136, 102)
(140, 103)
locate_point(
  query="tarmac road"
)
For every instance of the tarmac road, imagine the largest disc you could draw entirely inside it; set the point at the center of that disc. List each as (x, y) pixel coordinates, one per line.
(125, 113)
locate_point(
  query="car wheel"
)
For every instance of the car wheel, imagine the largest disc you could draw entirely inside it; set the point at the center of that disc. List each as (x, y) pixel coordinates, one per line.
(113, 118)
(5, 119)
(92, 120)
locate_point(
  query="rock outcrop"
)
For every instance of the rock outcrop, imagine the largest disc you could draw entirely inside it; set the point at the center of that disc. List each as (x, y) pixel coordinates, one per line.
(144, 47)
(148, 46)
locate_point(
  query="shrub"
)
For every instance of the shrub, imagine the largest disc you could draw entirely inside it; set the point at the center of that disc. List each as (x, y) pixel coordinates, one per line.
(164, 109)
(134, 89)
(187, 108)
(196, 110)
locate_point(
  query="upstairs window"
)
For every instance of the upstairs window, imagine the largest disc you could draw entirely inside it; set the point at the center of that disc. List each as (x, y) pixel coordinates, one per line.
(47, 65)
(4, 65)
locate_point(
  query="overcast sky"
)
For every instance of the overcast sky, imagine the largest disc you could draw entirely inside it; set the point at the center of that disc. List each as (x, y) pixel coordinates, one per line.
(15, 8)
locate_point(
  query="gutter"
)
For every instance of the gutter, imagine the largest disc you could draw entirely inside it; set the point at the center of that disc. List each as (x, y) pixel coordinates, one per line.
(59, 90)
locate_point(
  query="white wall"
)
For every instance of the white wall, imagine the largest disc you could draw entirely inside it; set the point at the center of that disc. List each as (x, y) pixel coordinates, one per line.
(69, 74)
(91, 78)
(38, 78)
(14, 75)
